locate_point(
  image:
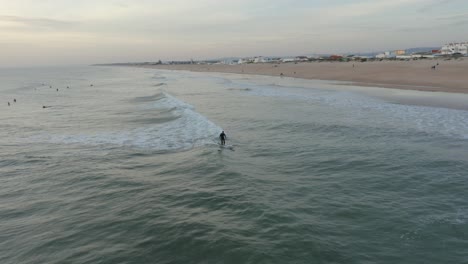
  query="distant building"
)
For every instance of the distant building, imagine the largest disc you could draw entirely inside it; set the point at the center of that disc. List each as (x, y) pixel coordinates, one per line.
(363, 58)
(335, 57)
(403, 57)
(301, 58)
(259, 60)
(388, 54)
(452, 48)
(381, 56)
(400, 52)
(245, 60)
(288, 60)
(275, 60)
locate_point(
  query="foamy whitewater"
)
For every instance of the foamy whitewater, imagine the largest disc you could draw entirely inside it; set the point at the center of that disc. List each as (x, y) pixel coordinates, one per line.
(122, 165)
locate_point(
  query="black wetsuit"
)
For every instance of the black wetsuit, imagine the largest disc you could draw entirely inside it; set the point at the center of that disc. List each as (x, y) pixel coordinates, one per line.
(222, 136)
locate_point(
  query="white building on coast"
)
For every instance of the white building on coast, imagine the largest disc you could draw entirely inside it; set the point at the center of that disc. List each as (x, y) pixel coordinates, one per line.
(245, 60)
(452, 48)
(259, 59)
(381, 56)
(390, 54)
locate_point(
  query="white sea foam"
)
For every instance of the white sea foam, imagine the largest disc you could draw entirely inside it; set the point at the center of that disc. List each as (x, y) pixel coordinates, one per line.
(190, 129)
(448, 122)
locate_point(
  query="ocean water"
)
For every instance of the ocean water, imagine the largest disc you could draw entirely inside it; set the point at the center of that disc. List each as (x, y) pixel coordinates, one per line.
(124, 167)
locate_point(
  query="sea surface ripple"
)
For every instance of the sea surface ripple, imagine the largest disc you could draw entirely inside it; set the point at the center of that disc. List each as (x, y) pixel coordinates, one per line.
(123, 166)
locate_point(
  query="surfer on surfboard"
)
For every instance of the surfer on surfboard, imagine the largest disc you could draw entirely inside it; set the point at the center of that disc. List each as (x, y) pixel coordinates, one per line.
(222, 137)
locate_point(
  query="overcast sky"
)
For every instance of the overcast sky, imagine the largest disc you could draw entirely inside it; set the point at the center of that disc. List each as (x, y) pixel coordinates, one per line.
(54, 32)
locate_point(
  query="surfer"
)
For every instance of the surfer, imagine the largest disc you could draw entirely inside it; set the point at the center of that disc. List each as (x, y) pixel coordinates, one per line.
(222, 137)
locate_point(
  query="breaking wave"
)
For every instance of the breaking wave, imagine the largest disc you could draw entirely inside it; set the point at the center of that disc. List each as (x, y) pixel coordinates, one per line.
(183, 130)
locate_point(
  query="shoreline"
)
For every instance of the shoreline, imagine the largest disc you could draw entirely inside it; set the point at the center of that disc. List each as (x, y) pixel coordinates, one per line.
(449, 76)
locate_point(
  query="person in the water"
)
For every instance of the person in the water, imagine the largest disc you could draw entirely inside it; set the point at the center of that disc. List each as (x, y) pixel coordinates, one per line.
(222, 137)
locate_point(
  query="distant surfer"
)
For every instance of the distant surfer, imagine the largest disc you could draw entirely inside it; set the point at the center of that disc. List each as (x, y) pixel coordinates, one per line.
(222, 137)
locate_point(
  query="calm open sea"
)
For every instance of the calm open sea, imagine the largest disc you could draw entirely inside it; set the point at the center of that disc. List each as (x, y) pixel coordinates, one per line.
(123, 166)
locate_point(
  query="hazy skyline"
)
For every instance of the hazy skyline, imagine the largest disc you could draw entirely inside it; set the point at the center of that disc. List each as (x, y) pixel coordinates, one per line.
(85, 32)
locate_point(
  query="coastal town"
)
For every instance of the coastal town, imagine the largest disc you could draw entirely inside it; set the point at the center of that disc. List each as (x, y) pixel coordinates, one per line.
(429, 69)
(448, 51)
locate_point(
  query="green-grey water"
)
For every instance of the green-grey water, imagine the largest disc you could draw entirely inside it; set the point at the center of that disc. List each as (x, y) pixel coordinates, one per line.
(124, 167)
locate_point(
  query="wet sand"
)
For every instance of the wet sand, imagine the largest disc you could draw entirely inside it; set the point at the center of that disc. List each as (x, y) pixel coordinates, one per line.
(449, 76)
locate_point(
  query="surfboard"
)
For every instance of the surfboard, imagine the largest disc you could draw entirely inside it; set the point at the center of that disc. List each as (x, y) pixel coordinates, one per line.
(230, 147)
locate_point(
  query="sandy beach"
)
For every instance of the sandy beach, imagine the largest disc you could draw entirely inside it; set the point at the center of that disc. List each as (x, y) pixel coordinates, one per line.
(449, 76)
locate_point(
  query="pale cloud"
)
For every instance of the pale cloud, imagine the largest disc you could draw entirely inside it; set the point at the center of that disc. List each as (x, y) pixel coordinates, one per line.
(434, 4)
(28, 23)
(362, 8)
(454, 16)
